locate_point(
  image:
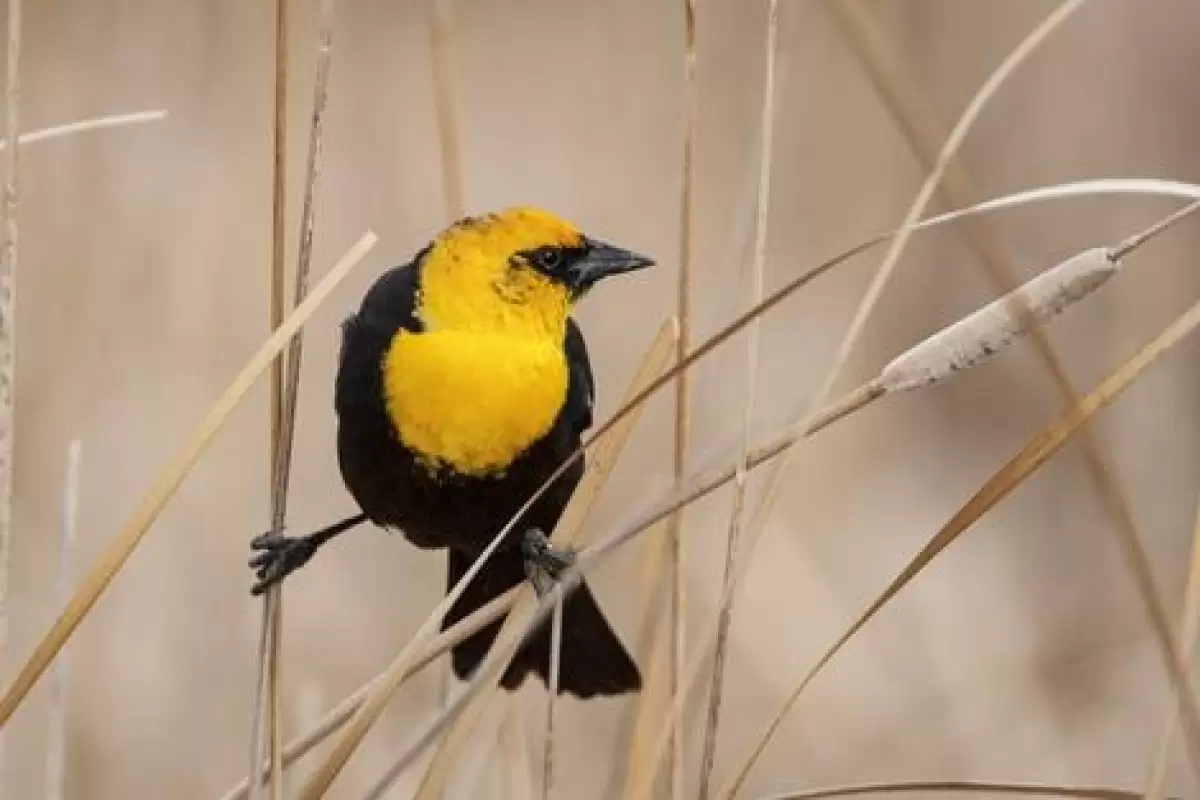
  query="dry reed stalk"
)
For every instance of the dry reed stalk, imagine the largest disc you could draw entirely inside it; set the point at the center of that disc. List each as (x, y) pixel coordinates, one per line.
(515, 746)
(114, 555)
(270, 632)
(967, 787)
(551, 693)
(86, 125)
(278, 222)
(677, 565)
(336, 717)
(8, 326)
(441, 31)
(1188, 634)
(284, 435)
(56, 739)
(565, 532)
(1039, 450)
(737, 512)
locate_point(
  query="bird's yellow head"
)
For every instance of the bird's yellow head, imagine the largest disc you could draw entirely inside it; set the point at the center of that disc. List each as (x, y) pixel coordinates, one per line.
(488, 374)
(517, 272)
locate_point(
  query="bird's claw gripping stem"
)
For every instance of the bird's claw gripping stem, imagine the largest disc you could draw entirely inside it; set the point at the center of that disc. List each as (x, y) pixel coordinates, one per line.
(278, 557)
(543, 564)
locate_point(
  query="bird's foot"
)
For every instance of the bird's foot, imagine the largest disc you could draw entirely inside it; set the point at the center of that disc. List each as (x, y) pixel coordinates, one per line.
(543, 564)
(278, 557)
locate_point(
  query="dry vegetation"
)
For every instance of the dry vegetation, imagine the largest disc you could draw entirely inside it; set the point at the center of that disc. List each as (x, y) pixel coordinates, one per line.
(1045, 648)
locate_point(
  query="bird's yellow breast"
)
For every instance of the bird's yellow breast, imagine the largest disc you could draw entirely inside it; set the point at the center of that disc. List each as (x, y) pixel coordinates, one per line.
(471, 400)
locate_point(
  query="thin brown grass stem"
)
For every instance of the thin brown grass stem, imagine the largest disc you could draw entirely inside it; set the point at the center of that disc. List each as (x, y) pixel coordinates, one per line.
(737, 511)
(56, 737)
(968, 787)
(285, 433)
(1036, 453)
(8, 326)
(514, 742)
(677, 564)
(118, 550)
(556, 622)
(265, 677)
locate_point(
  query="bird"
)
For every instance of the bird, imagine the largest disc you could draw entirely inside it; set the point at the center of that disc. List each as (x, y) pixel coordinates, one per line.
(463, 383)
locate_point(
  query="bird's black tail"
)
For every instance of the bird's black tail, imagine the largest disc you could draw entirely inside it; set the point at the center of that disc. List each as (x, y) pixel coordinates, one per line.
(594, 662)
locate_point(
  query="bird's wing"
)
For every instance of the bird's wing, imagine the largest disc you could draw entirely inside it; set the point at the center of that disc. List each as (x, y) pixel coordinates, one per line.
(581, 390)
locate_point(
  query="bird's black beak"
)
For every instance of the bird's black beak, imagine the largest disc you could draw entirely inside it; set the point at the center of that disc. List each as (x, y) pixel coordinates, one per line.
(603, 260)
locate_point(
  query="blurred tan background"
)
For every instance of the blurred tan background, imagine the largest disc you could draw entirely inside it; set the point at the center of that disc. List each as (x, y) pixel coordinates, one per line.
(1021, 655)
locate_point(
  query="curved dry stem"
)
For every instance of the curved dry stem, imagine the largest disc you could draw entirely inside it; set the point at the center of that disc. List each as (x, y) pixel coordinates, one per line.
(118, 550)
(972, 787)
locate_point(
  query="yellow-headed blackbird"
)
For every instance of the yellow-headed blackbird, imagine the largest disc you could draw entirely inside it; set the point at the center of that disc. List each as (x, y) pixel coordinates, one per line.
(463, 384)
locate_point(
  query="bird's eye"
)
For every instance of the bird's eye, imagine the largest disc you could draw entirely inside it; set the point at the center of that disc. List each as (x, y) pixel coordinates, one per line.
(548, 258)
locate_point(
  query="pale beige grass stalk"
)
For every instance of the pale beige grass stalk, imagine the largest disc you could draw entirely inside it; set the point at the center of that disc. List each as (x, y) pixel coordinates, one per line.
(269, 644)
(965, 787)
(118, 550)
(514, 745)
(283, 435)
(737, 512)
(552, 684)
(8, 326)
(1189, 632)
(677, 566)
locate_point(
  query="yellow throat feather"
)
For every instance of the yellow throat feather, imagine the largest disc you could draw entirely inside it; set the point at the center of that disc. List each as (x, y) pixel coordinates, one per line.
(487, 376)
